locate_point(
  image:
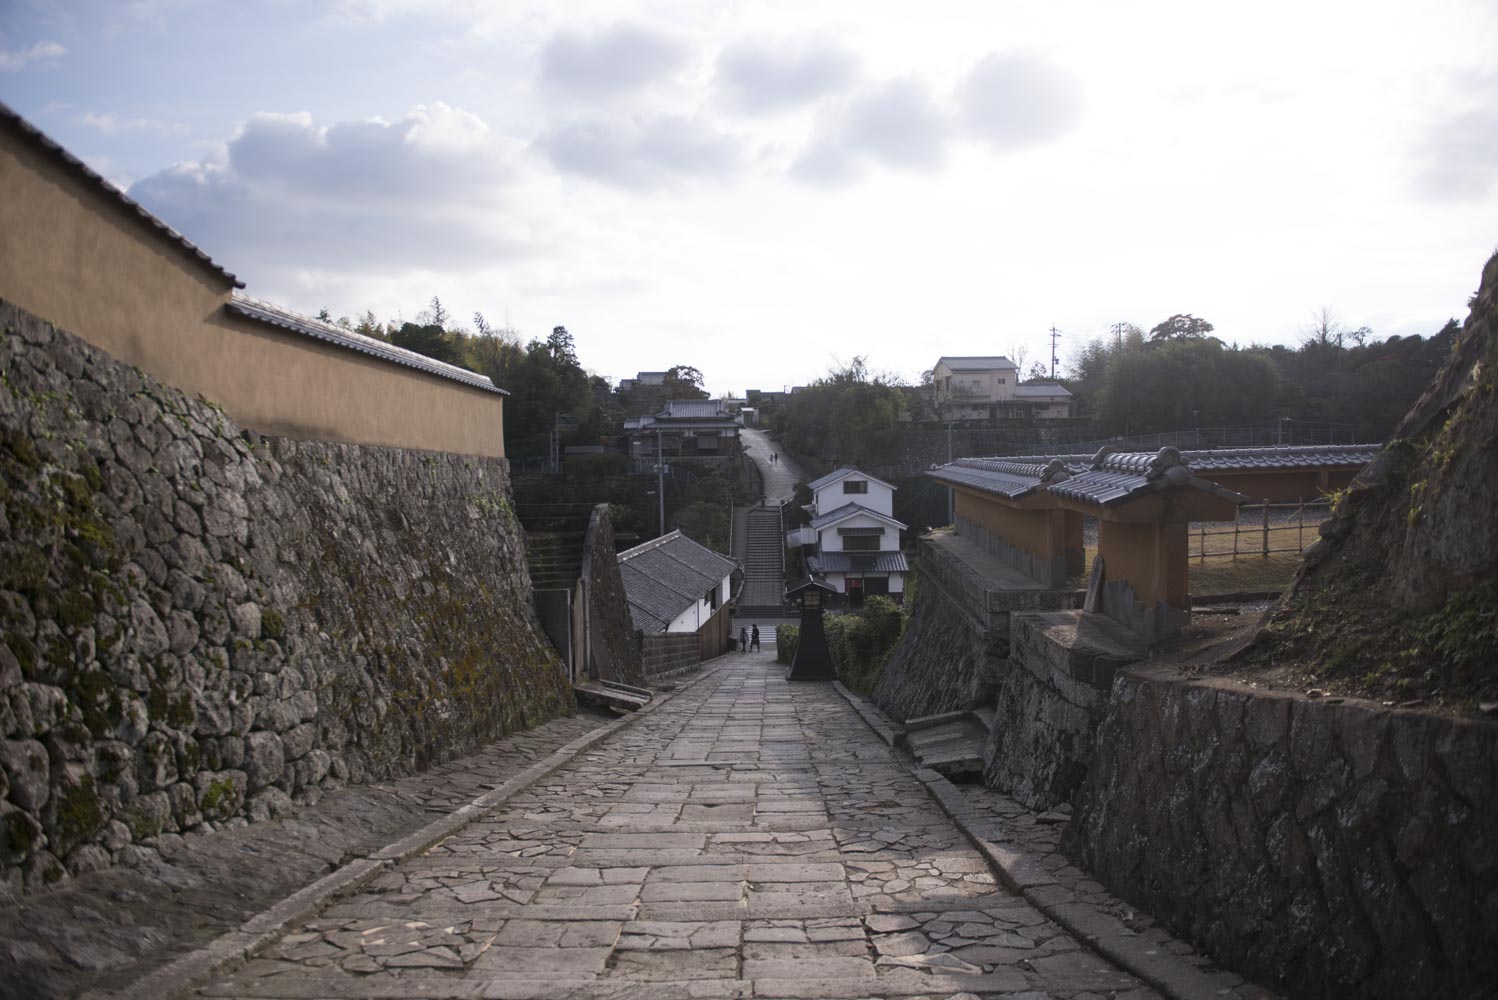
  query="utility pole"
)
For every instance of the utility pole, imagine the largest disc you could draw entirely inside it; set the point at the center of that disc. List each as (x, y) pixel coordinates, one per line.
(951, 493)
(1055, 334)
(1118, 329)
(660, 482)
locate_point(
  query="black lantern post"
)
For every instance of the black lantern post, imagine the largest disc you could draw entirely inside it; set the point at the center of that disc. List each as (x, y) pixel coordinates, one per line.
(812, 661)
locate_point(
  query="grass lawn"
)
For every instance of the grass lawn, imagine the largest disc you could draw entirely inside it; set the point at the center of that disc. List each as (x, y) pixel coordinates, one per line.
(1222, 574)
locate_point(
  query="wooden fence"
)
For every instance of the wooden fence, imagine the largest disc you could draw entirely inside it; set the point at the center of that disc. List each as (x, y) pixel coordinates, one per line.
(1261, 530)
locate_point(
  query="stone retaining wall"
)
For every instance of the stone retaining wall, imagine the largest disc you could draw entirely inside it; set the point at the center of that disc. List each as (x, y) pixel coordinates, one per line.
(943, 662)
(616, 654)
(953, 651)
(200, 626)
(1326, 849)
(1051, 697)
(669, 652)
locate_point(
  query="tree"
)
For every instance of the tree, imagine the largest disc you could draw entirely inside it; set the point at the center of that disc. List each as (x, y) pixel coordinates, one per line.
(1182, 326)
(429, 339)
(683, 382)
(434, 314)
(1184, 383)
(563, 351)
(849, 416)
(1037, 371)
(371, 327)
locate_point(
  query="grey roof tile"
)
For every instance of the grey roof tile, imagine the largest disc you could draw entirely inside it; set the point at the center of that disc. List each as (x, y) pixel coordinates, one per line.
(666, 576)
(843, 473)
(848, 510)
(859, 562)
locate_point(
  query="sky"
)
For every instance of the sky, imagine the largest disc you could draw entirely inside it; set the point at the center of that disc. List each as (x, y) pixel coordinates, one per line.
(767, 190)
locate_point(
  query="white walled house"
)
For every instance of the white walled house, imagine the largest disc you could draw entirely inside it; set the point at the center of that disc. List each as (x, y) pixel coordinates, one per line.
(673, 584)
(988, 387)
(853, 540)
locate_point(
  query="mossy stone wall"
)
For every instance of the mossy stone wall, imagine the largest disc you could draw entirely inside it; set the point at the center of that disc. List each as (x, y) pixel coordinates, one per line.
(199, 626)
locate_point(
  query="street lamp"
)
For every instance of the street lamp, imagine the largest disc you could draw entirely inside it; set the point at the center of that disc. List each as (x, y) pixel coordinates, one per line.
(812, 661)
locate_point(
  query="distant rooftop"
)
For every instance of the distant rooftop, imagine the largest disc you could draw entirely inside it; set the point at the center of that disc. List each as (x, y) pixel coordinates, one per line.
(975, 362)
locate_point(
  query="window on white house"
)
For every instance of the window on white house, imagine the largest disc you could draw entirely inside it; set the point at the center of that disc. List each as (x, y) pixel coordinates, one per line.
(861, 543)
(855, 486)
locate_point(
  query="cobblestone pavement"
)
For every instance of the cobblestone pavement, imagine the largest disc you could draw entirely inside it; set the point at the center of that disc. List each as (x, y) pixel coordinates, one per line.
(107, 929)
(749, 838)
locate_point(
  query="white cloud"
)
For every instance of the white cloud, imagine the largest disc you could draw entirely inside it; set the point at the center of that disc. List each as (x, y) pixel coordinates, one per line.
(644, 153)
(1455, 157)
(759, 78)
(14, 62)
(617, 61)
(899, 125)
(374, 196)
(1016, 99)
(111, 124)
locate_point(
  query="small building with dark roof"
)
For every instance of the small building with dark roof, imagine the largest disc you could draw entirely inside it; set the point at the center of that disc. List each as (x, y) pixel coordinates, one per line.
(79, 253)
(686, 429)
(674, 584)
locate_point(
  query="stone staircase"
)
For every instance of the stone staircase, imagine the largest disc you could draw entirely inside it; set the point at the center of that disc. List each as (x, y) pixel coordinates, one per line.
(763, 593)
(554, 535)
(951, 743)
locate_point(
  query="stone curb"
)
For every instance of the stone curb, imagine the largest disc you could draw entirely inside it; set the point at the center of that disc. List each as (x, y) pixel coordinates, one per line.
(888, 731)
(228, 951)
(1143, 955)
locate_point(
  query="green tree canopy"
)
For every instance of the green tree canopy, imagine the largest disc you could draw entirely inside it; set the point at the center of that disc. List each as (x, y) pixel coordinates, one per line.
(1181, 326)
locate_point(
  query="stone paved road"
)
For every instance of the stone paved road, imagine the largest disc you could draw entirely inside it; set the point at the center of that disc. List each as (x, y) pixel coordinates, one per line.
(749, 839)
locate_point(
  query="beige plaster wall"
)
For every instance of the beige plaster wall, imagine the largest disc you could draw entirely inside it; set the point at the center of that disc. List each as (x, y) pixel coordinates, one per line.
(1151, 557)
(1038, 532)
(73, 255)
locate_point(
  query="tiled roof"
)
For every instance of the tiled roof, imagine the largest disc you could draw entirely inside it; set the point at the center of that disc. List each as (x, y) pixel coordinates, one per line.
(692, 408)
(1041, 391)
(858, 562)
(1122, 475)
(848, 510)
(666, 576)
(258, 309)
(1106, 479)
(975, 363)
(1287, 457)
(843, 473)
(1009, 478)
(1226, 459)
(54, 151)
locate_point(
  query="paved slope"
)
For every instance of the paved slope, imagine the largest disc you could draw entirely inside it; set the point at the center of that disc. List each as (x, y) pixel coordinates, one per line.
(750, 838)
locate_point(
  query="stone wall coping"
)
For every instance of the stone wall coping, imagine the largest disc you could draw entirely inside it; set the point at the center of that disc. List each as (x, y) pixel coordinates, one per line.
(1091, 647)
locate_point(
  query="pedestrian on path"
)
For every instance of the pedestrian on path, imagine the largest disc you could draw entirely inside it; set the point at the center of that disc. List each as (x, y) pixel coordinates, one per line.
(754, 640)
(743, 639)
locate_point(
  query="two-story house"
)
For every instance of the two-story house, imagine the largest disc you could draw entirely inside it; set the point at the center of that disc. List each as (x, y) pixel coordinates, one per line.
(989, 388)
(699, 429)
(853, 541)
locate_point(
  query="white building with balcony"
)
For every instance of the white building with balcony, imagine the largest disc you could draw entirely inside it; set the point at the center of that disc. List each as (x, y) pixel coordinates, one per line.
(853, 540)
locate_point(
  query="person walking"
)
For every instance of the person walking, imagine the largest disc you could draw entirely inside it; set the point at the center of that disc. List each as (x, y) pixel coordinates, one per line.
(754, 639)
(743, 639)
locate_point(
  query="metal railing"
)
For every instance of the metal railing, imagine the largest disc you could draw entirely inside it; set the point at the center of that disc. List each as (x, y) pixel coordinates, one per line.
(1261, 530)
